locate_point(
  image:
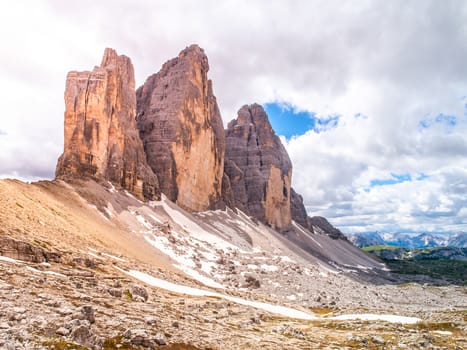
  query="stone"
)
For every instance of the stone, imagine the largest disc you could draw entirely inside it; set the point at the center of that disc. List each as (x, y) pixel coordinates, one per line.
(377, 339)
(160, 339)
(138, 337)
(150, 320)
(64, 311)
(258, 167)
(63, 331)
(88, 312)
(182, 131)
(10, 346)
(138, 291)
(101, 138)
(25, 251)
(251, 281)
(81, 334)
(115, 292)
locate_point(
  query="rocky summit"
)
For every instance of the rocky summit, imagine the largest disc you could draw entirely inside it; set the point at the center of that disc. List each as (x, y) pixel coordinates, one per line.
(258, 167)
(181, 128)
(101, 139)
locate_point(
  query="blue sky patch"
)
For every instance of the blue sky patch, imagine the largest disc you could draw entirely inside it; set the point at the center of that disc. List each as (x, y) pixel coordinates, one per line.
(422, 177)
(447, 120)
(289, 122)
(395, 179)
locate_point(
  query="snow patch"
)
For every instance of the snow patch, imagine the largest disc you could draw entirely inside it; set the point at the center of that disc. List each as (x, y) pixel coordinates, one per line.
(163, 244)
(442, 332)
(46, 272)
(199, 277)
(10, 260)
(112, 187)
(176, 288)
(155, 219)
(306, 233)
(114, 257)
(98, 211)
(94, 255)
(269, 268)
(143, 221)
(285, 258)
(194, 229)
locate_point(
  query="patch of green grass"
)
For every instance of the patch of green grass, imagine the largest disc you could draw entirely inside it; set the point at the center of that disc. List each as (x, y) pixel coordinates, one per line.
(453, 271)
(61, 344)
(436, 326)
(128, 294)
(321, 310)
(117, 343)
(379, 247)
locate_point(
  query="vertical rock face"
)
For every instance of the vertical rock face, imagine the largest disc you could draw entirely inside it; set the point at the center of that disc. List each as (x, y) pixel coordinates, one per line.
(181, 128)
(298, 210)
(322, 225)
(101, 139)
(258, 167)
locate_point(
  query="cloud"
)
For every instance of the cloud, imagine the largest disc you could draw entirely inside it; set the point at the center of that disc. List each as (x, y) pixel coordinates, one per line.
(388, 69)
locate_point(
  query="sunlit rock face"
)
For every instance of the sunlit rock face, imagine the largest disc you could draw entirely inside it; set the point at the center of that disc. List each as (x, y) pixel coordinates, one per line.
(181, 128)
(101, 139)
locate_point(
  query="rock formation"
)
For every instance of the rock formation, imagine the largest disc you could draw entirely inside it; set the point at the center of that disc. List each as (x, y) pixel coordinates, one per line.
(315, 224)
(298, 211)
(258, 167)
(101, 139)
(322, 225)
(181, 128)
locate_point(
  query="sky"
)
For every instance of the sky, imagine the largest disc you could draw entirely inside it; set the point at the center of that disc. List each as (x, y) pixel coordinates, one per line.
(369, 97)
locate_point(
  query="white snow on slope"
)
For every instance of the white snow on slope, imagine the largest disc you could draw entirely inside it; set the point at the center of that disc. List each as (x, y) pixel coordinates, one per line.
(162, 243)
(10, 260)
(275, 309)
(442, 332)
(195, 230)
(183, 254)
(306, 233)
(199, 277)
(143, 222)
(176, 288)
(46, 272)
(114, 257)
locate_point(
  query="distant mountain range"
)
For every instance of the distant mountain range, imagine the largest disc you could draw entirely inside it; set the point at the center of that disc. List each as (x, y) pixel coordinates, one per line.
(407, 240)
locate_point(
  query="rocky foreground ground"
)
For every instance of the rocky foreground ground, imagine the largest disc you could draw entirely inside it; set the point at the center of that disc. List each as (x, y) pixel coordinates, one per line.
(86, 302)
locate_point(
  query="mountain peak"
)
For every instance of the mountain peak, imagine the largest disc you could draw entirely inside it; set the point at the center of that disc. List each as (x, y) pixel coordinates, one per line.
(101, 139)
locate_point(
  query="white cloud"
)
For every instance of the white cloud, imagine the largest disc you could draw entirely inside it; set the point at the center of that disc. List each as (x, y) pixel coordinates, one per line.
(396, 62)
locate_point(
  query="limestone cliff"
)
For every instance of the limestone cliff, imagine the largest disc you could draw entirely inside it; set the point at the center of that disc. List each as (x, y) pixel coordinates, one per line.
(181, 128)
(258, 167)
(101, 139)
(298, 211)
